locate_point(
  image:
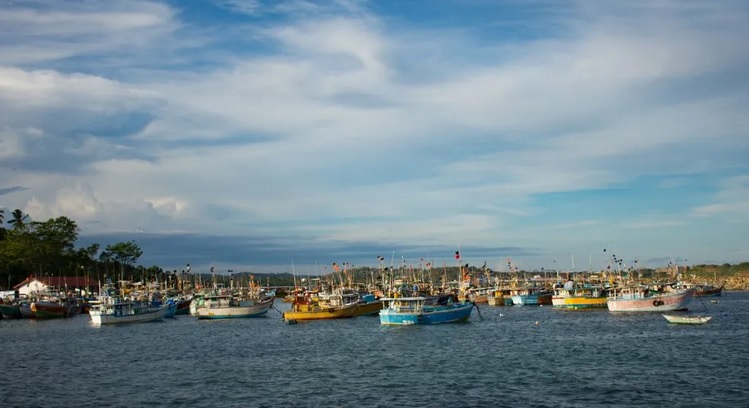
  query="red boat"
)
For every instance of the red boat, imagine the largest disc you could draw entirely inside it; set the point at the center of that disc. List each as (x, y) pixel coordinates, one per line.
(183, 306)
(51, 309)
(44, 309)
(708, 291)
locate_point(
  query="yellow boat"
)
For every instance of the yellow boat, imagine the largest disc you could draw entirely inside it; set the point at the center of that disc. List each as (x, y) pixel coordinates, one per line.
(585, 296)
(368, 308)
(314, 308)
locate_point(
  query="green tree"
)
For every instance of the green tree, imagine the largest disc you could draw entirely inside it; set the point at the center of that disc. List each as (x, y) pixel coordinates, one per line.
(19, 220)
(54, 243)
(125, 253)
(18, 252)
(86, 258)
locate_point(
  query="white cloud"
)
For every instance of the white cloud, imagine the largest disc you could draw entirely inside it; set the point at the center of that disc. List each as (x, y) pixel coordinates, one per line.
(341, 117)
(50, 34)
(732, 198)
(78, 203)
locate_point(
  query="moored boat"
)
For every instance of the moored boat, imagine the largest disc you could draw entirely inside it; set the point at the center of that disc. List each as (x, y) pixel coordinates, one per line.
(641, 299)
(183, 305)
(416, 310)
(478, 295)
(499, 297)
(310, 306)
(686, 319)
(368, 305)
(228, 306)
(52, 308)
(171, 308)
(708, 291)
(532, 297)
(43, 309)
(579, 296)
(11, 310)
(116, 310)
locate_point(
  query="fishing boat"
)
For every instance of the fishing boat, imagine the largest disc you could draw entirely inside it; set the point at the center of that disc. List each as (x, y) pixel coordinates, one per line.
(117, 310)
(183, 305)
(478, 295)
(44, 309)
(499, 297)
(51, 308)
(228, 306)
(532, 296)
(579, 296)
(416, 310)
(11, 310)
(642, 299)
(687, 319)
(708, 291)
(171, 308)
(312, 306)
(368, 305)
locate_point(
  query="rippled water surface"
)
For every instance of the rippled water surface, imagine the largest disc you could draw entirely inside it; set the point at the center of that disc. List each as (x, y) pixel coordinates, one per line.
(514, 356)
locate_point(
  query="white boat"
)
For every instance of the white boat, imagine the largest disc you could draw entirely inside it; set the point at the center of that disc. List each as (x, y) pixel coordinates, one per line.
(687, 319)
(114, 310)
(229, 307)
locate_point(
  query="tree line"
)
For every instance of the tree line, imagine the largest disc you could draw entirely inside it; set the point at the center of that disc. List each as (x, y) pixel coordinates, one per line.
(47, 248)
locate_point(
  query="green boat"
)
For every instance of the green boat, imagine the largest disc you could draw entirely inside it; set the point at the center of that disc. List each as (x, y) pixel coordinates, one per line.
(10, 311)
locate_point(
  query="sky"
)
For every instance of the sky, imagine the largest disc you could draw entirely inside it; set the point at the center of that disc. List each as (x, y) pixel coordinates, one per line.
(283, 136)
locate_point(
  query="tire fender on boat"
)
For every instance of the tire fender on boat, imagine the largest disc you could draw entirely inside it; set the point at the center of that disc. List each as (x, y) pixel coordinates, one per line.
(657, 303)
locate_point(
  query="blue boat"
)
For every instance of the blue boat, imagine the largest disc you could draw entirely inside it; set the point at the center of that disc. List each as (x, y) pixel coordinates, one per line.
(532, 297)
(171, 308)
(419, 310)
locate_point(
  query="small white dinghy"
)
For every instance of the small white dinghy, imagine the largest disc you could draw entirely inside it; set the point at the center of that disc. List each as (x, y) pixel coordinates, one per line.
(687, 319)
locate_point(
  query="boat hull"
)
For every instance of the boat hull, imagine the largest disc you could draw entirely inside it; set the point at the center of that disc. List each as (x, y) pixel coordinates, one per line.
(322, 314)
(50, 310)
(579, 302)
(235, 312)
(711, 292)
(687, 319)
(10, 311)
(437, 315)
(98, 318)
(183, 306)
(531, 300)
(499, 300)
(659, 303)
(171, 309)
(369, 308)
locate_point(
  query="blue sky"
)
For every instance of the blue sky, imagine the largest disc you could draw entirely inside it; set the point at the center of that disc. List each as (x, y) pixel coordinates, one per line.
(250, 135)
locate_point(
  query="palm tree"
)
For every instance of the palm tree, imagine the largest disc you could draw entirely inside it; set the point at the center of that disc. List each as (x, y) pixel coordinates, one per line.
(19, 220)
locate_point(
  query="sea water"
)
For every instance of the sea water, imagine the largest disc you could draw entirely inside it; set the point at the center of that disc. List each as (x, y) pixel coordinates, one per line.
(520, 356)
